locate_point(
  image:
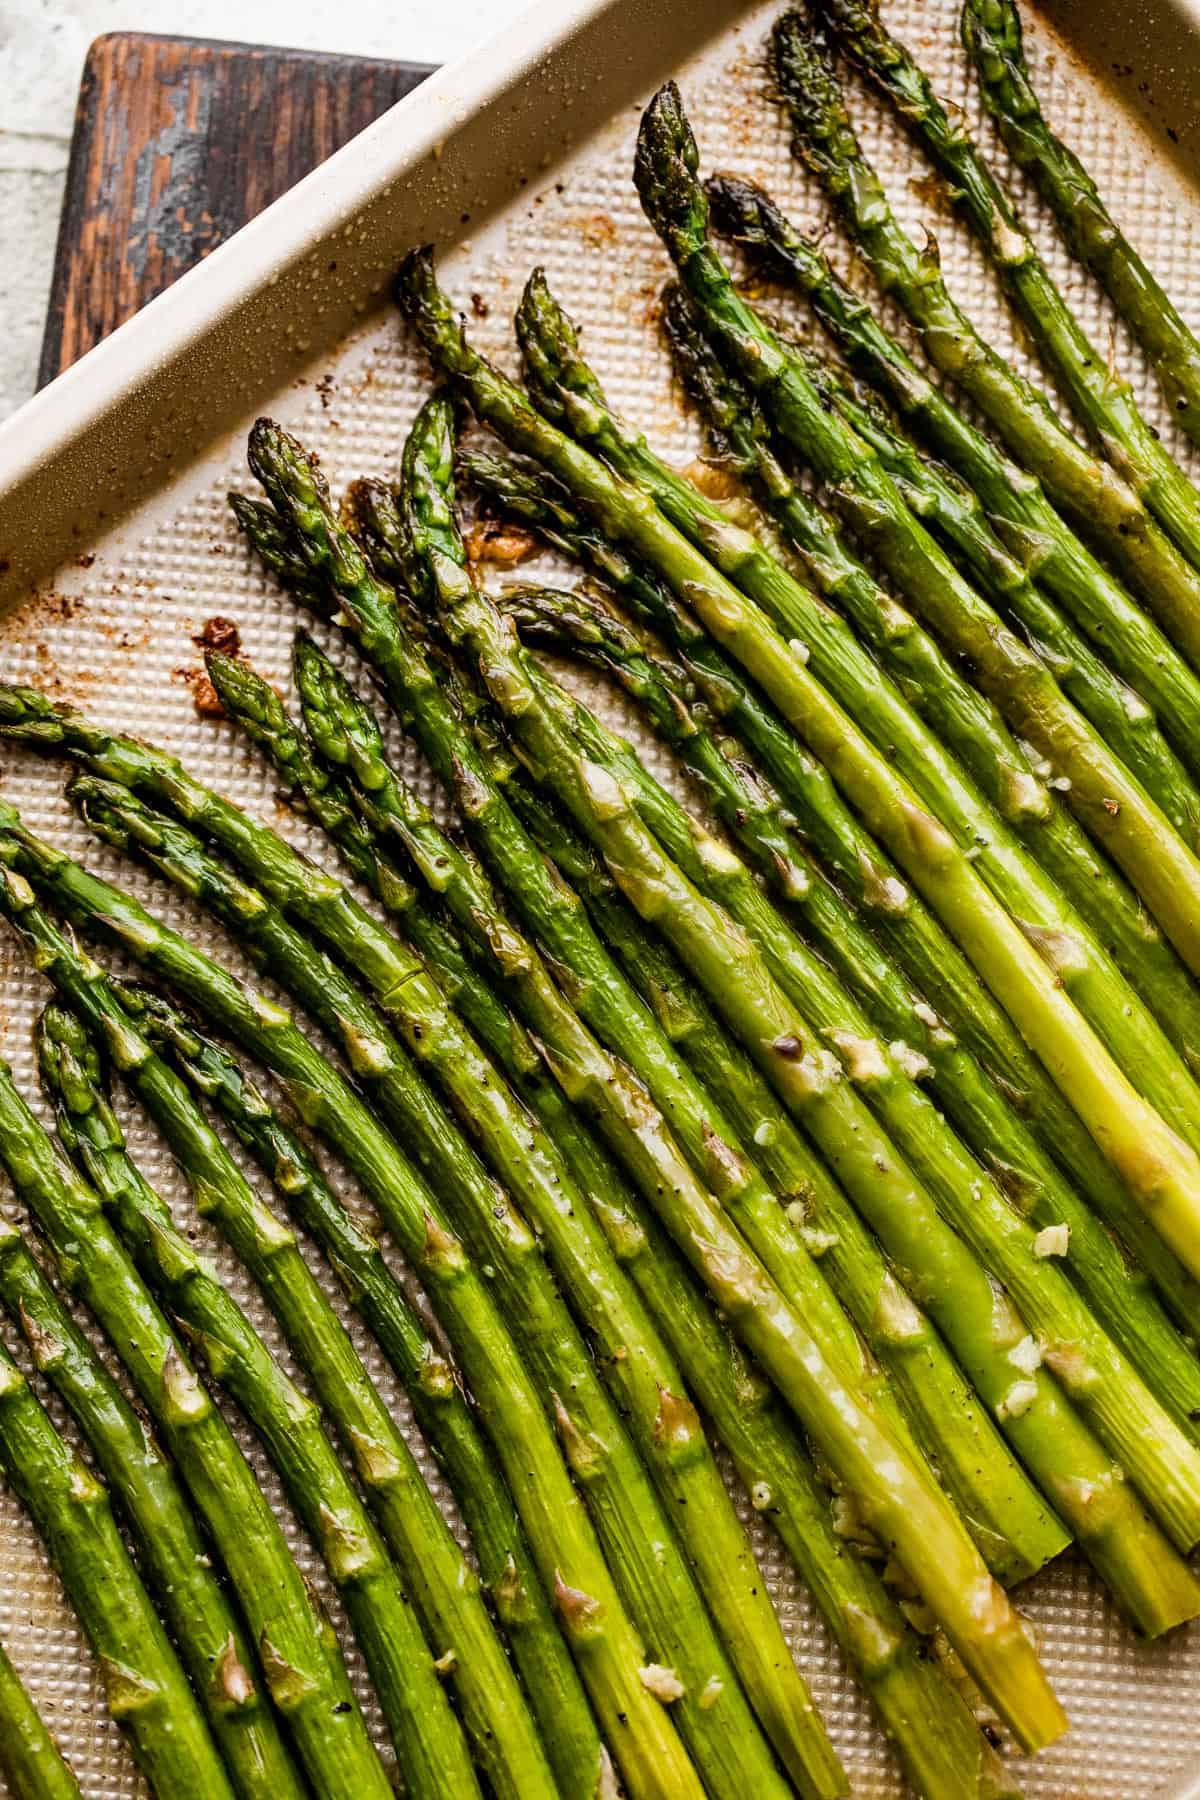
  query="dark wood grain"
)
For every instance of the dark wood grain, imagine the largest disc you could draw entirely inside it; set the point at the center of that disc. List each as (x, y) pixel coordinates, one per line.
(177, 143)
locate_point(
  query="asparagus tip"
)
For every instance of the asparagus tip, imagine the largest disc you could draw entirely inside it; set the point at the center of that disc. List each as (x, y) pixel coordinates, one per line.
(743, 211)
(416, 287)
(665, 166)
(803, 72)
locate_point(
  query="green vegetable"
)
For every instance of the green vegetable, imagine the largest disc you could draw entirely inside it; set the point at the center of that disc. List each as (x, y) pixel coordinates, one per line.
(895, 1494)
(1020, 803)
(991, 32)
(297, 1650)
(706, 677)
(1141, 1145)
(146, 1689)
(781, 996)
(426, 1734)
(170, 1548)
(908, 1690)
(443, 1413)
(642, 1374)
(1105, 505)
(373, 614)
(1118, 813)
(956, 516)
(914, 1035)
(1014, 501)
(609, 1651)
(1100, 396)
(30, 1761)
(1011, 1525)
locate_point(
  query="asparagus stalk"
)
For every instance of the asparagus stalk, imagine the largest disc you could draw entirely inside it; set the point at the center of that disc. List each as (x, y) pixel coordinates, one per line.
(424, 1730)
(552, 914)
(428, 1738)
(1104, 504)
(1015, 1537)
(780, 990)
(762, 1314)
(913, 744)
(146, 1689)
(301, 1662)
(441, 1409)
(555, 917)
(703, 675)
(932, 1389)
(771, 1326)
(991, 33)
(1114, 807)
(753, 814)
(170, 1548)
(611, 1654)
(993, 1496)
(948, 1758)
(647, 1384)
(375, 1440)
(30, 1761)
(791, 974)
(956, 516)
(1013, 500)
(1099, 394)
(1000, 1240)
(731, 411)
(1042, 1434)
(1124, 1126)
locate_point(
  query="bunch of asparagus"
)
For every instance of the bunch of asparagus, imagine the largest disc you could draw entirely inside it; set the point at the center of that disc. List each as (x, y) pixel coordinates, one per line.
(851, 1128)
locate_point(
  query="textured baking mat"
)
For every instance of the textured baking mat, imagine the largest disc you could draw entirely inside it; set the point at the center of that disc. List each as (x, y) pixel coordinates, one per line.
(116, 634)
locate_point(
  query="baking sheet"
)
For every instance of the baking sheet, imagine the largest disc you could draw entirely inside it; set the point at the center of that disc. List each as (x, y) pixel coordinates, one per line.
(115, 633)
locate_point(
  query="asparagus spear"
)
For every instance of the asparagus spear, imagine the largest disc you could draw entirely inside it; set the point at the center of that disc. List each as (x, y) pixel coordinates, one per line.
(647, 1384)
(1099, 394)
(1015, 1537)
(424, 1730)
(555, 917)
(838, 661)
(1042, 1434)
(762, 1314)
(886, 1078)
(1115, 808)
(938, 1744)
(1126, 1129)
(428, 1738)
(1013, 500)
(442, 1411)
(932, 1388)
(552, 914)
(780, 992)
(956, 516)
(993, 1496)
(611, 1655)
(705, 676)
(1104, 505)
(30, 1761)
(146, 1689)
(991, 33)
(739, 439)
(376, 1442)
(994, 1130)
(771, 1327)
(298, 1652)
(170, 1548)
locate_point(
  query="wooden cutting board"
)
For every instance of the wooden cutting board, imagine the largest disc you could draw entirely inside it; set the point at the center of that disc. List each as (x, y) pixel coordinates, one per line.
(177, 142)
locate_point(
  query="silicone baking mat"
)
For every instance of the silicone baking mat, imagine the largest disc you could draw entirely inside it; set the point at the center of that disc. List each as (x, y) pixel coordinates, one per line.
(116, 635)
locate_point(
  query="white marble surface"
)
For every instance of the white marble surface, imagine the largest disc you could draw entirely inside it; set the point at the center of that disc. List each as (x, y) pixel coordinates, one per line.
(42, 48)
